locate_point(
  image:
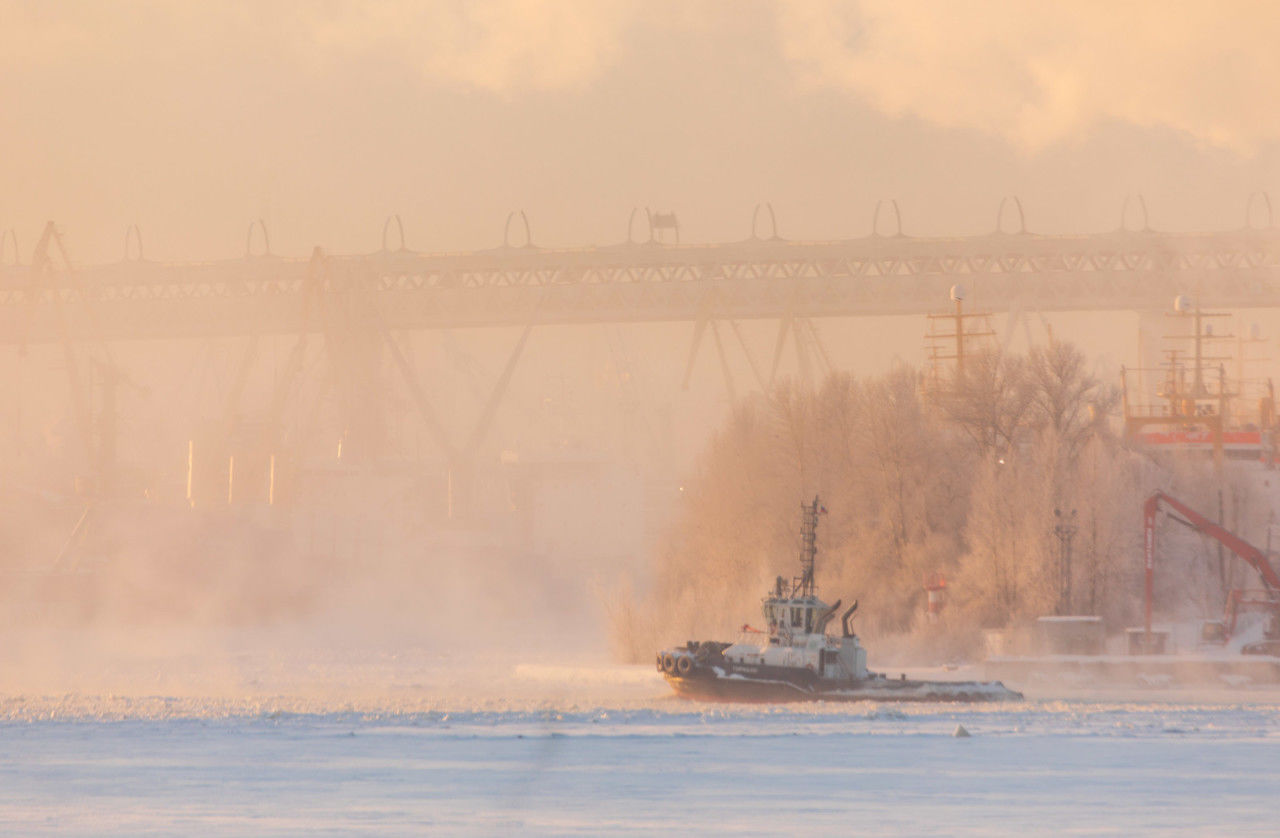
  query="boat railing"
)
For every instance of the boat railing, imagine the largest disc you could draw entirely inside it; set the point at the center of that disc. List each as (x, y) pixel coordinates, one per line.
(748, 636)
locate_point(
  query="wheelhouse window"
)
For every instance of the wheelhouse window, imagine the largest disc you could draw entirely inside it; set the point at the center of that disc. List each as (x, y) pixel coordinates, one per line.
(797, 619)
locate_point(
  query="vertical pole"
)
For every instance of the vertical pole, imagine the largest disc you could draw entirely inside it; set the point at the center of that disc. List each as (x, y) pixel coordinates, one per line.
(1198, 382)
(191, 461)
(1218, 430)
(1240, 365)
(271, 481)
(1142, 361)
(1124, 398)
(1065, 530)
(1062, 573)
(105, 455)
(959, 339)
(1149, 561)
(1222, 558)
(1066, 566)
(231, 478)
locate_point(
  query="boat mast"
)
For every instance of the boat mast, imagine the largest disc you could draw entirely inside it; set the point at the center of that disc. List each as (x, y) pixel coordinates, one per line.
(808, 546)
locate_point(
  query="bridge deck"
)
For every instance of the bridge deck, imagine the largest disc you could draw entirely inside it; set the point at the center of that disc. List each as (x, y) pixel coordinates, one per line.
(877, 275)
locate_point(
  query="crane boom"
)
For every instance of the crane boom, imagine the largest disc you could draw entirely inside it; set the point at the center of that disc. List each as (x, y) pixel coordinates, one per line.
(1254, 557)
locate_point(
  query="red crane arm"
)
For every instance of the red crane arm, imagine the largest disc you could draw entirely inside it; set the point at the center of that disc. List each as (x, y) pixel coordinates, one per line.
(1252, 555)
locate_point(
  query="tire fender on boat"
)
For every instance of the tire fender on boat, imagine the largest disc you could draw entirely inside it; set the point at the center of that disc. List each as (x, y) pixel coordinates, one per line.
(684, 665)
(668, 662)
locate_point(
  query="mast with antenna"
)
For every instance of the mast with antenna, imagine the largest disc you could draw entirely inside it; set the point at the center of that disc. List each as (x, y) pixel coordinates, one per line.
(803, 585)
(967, 328)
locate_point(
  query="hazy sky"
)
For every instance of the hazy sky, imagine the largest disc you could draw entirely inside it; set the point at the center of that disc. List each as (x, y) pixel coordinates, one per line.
(323, 117)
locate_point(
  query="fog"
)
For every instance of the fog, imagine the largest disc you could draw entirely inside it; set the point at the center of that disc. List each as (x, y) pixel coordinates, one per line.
(234, 514)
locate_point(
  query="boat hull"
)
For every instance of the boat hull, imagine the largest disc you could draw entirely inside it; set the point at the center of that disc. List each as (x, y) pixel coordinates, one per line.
(724, 687)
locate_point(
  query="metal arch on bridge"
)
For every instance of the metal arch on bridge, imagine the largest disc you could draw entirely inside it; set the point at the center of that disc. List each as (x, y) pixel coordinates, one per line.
(651, 282)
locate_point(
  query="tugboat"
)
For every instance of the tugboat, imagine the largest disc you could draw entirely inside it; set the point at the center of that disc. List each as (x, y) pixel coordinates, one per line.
(796, 660)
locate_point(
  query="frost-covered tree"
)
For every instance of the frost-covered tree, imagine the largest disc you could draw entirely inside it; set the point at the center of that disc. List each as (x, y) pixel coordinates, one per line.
(1105, 493)
(961, 484)
(1065, 398)
(989, 399)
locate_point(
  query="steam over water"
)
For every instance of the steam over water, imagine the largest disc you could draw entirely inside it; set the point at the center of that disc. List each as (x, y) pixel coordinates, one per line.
(291, 570)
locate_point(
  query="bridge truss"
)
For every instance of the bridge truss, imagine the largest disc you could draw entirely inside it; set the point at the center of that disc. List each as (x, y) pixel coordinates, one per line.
(356, 303)
(138, 299)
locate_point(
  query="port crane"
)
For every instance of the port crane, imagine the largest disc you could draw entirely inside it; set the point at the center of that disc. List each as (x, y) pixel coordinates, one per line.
(1267, 599)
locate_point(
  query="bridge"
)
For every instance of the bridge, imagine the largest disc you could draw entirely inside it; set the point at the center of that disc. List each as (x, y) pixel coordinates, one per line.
(762, 277)
(361, 304)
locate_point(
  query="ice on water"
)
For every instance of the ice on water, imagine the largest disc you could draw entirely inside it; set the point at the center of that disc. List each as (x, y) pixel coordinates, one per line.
(421, 744)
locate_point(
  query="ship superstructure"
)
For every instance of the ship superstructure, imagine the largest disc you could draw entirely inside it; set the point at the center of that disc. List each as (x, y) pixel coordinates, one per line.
(1200, 398)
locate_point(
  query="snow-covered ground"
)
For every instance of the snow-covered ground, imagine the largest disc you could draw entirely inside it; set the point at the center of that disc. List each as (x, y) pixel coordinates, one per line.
(408, 746)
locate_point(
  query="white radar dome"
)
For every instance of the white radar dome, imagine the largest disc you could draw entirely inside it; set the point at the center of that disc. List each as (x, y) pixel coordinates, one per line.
(957, 292)
(1181, 303)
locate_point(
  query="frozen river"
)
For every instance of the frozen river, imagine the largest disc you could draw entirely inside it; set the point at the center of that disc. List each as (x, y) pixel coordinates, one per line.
(631, 760)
